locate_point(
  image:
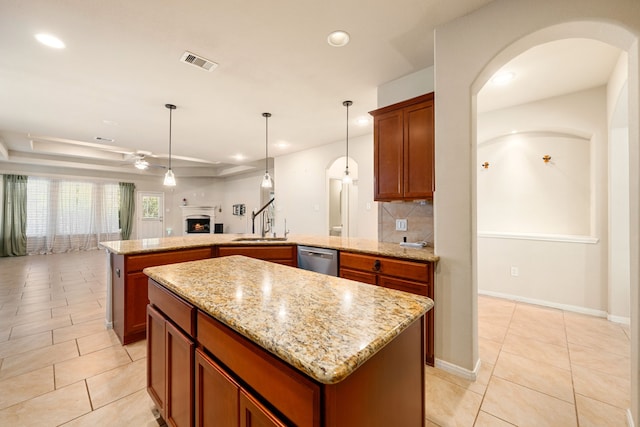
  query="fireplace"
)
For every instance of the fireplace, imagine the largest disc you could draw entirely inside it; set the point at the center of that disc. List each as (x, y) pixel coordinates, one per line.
(198, 219)
(201, 224)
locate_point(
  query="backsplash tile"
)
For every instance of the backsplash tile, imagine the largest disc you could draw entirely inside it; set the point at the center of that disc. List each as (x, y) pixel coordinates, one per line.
(419, 216)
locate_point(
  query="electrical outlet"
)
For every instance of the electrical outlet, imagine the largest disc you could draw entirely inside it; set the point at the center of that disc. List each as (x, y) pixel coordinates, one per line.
(515, 271)
(401, 225)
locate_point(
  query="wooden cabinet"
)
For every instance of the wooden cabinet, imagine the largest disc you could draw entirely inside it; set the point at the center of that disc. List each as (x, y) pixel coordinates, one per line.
(228, 380)
(254, 414)
(281, 254)
(222, 402)
(404, 150)
(129, 299)
(170, 353)
(403, 275)
(217, 394)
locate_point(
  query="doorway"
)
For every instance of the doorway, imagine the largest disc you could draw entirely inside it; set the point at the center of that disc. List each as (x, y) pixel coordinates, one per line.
(542, 184)
(150, 208)
(342, 198)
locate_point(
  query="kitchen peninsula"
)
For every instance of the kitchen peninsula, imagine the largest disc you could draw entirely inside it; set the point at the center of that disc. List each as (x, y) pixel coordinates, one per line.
(282, 346)
(369, 261)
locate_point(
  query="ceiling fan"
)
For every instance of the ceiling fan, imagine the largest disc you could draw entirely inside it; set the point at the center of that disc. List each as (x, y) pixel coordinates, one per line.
(140, 161)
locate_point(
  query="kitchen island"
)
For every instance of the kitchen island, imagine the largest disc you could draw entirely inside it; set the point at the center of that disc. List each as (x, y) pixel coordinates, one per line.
(282, 346)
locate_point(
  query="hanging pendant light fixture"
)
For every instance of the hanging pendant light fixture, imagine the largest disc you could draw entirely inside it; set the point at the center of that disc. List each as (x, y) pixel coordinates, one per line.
(169, 177)
(266, 181)
(347, 178)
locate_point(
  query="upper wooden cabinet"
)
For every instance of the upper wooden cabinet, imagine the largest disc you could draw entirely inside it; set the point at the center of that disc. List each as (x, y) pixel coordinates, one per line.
(403, 141)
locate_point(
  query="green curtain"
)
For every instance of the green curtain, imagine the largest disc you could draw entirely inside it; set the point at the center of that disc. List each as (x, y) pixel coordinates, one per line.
(13, 232)
(127, 208)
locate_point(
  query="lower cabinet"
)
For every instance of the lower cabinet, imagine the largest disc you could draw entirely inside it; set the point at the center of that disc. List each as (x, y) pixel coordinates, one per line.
(170, 355)
(254, 414)
(402, 275)
(222, 402)
(170, 367)
(201, 372)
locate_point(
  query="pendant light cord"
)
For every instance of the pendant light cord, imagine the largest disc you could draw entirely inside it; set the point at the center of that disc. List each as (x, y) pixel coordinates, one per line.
(347, 104)
(266, 137)
(171, 107)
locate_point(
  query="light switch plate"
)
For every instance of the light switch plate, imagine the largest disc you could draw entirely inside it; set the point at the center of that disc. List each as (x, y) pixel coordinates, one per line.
(401, 225)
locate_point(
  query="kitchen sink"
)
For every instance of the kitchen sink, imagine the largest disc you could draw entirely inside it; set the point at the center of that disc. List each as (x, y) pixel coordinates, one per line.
(260, 239)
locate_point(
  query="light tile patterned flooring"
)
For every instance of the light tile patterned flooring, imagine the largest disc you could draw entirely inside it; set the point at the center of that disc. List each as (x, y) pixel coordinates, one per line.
(59, 366)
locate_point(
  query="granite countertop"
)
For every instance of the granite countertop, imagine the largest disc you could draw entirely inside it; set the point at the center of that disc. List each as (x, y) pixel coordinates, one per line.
(322, 325)
(365, 246)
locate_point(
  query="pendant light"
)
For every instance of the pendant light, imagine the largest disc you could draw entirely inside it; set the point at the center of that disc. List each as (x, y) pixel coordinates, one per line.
(347, 178)
(169, 178)
(266, 181)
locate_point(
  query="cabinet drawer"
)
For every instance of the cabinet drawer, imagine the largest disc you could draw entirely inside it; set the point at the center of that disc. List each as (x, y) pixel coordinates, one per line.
(293, 394)
(180, 312)
(358, 276)
(388, 266)
(138, 262)
(404, 285)
(273, 252)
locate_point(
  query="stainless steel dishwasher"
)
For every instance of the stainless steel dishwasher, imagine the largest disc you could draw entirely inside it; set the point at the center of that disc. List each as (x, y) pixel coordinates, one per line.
(320, 260)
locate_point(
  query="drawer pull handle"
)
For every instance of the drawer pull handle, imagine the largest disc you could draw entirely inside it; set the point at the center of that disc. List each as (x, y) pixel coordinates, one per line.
(376, 265)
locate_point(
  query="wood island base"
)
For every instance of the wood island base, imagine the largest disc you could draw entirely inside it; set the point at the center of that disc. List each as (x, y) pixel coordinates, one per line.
(203, 373)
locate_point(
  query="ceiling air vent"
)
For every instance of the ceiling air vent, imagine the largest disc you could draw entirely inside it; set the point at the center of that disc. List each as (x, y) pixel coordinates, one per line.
(198, 61)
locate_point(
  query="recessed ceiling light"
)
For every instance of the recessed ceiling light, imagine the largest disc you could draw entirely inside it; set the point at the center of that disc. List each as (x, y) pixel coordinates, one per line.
(49, 40)
(110, 122)
(282, 144)
(338, 38)
(238, 157)
(503, 78)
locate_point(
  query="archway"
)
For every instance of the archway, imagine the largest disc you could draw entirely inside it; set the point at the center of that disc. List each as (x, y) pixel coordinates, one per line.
(543, 225)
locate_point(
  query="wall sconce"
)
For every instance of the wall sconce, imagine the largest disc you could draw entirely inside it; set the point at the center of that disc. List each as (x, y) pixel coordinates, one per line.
(546, 158)
(485, 165)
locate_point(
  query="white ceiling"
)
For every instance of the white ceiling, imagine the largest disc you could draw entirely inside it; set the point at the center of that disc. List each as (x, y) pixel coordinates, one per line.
(121, 65)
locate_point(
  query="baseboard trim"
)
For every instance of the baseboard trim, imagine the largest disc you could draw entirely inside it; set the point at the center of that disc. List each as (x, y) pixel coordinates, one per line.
(459, 370)
(619, 319)
(630, 422)
(566, 307)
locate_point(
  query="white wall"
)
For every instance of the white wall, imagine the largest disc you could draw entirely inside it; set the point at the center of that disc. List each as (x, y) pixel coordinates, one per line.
(466, 54)
(406, 87)
(537, 217)
(619, 262)
(244, 189)
(302, 194)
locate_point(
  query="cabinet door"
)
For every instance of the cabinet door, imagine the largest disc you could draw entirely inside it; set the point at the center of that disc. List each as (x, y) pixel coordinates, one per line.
(254, 414)
(388, 155)
(217, 394)
(419, 151)
(179, 365)
(156, 374)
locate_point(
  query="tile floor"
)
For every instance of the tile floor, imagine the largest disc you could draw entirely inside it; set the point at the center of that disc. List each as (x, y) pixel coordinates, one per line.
(59, 366)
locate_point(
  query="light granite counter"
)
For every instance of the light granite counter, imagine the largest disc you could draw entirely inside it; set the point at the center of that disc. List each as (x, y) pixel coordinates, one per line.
(366, 246)
(324, 326)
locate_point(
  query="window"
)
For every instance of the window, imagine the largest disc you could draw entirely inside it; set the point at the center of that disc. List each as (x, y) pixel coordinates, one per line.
(65, 215)
(150, 207)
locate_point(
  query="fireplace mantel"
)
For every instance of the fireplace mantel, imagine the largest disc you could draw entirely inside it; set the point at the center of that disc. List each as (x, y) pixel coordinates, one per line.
(197, 212)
